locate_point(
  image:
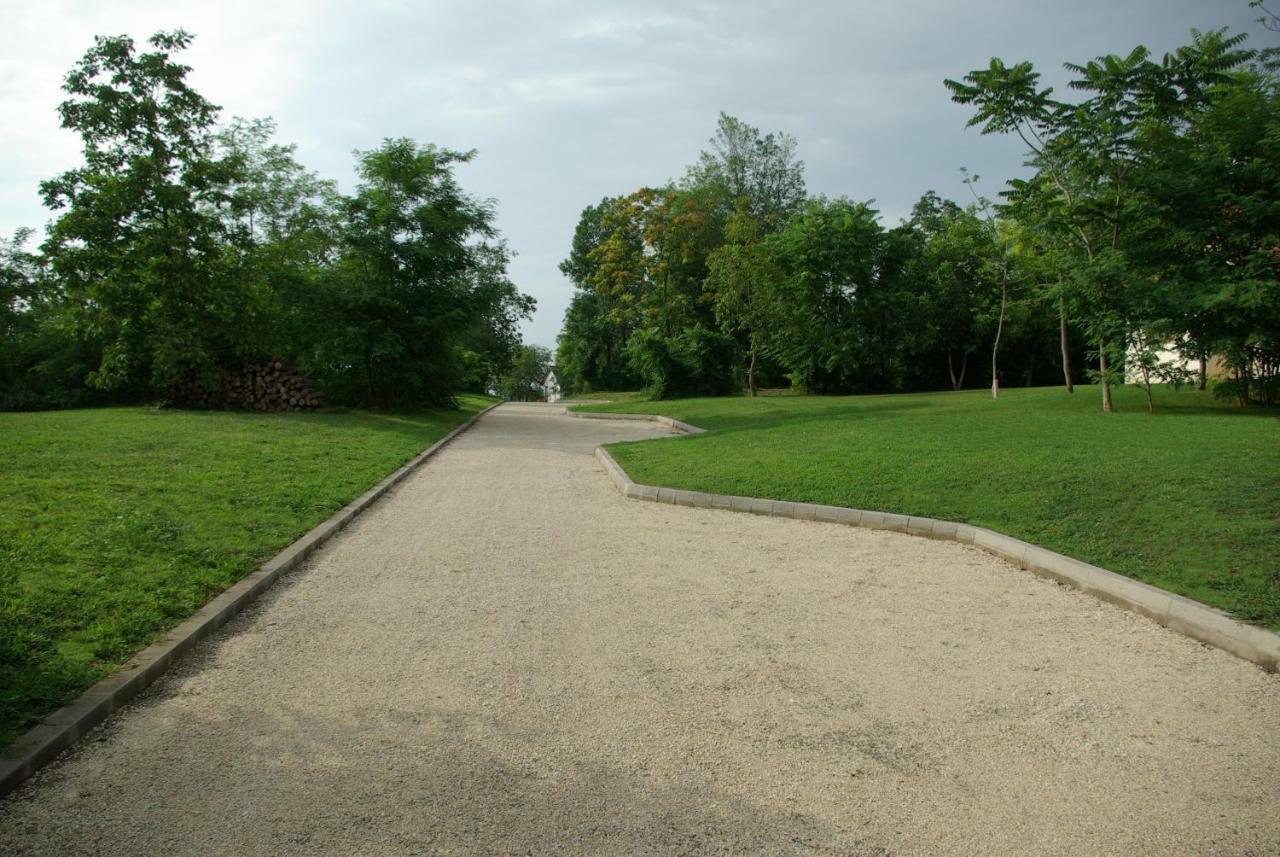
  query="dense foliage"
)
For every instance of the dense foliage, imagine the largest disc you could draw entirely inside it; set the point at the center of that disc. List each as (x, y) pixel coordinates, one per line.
(1150, 220)
(523, 382)
(182, 248)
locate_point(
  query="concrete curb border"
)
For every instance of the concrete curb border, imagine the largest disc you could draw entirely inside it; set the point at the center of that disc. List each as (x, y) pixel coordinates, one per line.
(1183, 615)
(42, 743)
(652, 418)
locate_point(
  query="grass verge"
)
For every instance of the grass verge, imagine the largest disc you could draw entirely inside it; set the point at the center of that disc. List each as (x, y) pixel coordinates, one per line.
(1187, 499)
(116, 524)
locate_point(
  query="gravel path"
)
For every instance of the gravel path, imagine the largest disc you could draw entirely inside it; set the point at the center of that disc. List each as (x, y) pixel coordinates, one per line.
(506, 656)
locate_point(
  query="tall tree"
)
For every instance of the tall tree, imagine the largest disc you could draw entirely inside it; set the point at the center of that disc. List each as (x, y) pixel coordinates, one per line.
(746, 169)
(1088, 153)
(137, 245)
(741, 278)
(417, 257)
(827, 297)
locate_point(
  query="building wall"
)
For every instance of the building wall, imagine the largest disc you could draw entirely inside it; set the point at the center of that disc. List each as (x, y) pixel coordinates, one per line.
(1216, 366)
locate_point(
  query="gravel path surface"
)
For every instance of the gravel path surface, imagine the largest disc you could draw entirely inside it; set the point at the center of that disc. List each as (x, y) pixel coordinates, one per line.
(506, 656)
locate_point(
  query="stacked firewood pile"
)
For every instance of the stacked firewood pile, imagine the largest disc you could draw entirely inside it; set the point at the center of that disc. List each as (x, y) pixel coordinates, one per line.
(268, 386)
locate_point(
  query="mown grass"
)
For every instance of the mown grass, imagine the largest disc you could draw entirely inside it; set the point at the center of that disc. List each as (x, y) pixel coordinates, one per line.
(613, 397)
(1187, 499)
(116, 524)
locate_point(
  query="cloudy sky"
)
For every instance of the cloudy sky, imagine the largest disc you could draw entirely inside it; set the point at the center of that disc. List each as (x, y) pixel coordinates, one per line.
(568, 102)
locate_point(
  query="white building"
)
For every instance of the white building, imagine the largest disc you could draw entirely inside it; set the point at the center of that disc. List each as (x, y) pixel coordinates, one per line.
(551, 386)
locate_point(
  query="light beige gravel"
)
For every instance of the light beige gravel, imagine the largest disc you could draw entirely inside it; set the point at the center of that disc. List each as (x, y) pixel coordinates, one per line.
(506, 656)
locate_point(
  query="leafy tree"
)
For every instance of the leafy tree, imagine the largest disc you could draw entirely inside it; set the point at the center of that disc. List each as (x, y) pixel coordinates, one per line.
(694, 361)
(1088, 155)
(956, 267)
(741, 276)
(827, 255)
(282, 230)
(758, 173)
(523, 380)
(137, 247)
(418, 266)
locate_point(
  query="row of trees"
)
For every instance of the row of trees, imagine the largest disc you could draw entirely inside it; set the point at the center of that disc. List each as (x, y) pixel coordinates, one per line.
(183, 247)
(1150, 219)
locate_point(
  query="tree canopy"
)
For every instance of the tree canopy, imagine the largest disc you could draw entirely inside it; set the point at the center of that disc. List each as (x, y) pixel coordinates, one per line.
(183, 247)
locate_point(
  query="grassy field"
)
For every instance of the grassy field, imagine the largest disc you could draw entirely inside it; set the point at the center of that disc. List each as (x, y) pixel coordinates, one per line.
(116, 524)
(616, 398)
(1187, 499)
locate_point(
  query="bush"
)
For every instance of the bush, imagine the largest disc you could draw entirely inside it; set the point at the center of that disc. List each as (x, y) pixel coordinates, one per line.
(694, 362)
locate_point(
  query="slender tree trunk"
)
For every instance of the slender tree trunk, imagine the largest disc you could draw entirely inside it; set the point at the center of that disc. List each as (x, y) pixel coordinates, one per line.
(1146, 388)
(1106, 378)
(957, 383)
(995, 348)
(1065, 341)
(751, 374)
(1203, 377)
(368, 378)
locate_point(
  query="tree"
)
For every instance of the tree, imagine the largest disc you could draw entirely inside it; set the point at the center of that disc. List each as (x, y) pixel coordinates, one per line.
(744, 169)
(830, 319)
(740, 276)
(417, 268)
(1088, 153)
(282, 227)
(956, 268)
(523, 381)
(998, 234)
(137, 246)
(1211, 188)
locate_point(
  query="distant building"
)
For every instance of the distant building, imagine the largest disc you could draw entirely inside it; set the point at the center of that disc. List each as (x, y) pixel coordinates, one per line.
(551, 386)
(1215, 367)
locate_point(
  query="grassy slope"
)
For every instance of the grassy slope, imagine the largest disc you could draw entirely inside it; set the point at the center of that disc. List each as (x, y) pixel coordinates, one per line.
(1187, 499)
(616, 398)
(116, 524)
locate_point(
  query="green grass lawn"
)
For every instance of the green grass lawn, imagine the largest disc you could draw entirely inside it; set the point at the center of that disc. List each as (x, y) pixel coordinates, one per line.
(117, 524)
(1187, 499)
(613, 397)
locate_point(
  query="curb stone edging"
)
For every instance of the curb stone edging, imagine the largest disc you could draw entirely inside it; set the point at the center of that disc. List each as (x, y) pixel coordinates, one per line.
(1187, 617)
(652, 418)
(41, 744)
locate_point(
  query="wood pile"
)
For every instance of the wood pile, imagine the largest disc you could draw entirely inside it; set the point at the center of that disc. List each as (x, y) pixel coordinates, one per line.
(272, 385)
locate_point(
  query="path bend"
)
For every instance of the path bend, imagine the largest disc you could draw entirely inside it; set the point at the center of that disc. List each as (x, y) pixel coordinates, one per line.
(506, 656)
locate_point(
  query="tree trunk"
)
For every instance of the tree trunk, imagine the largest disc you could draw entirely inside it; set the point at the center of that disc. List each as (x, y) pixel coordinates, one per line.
(957, 382)
(995, 348)
(1106, 378)
(1065, 341)
(368, 377)
(751, 374)
(1203, 377)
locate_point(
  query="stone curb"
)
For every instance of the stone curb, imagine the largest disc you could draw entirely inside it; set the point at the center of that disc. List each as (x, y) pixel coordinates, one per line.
(1183, 615)
(42, 743)
(653, 418)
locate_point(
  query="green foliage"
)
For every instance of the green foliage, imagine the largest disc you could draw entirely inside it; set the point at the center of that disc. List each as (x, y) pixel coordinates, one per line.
(416, 269)
(1130, 492)
(696, 361)
(137, 247)
(1102, 204)
(117, 523)
(744, 171)
(183, 249)
(523, 382)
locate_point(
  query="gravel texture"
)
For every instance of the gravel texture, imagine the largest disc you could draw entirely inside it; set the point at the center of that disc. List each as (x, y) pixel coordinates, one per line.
(506, 656)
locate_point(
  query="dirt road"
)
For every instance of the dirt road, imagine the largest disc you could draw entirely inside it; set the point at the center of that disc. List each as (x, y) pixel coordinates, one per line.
(506, 656)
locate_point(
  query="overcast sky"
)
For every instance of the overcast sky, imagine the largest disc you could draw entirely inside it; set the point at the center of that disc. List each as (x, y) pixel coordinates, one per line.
(569, 102)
